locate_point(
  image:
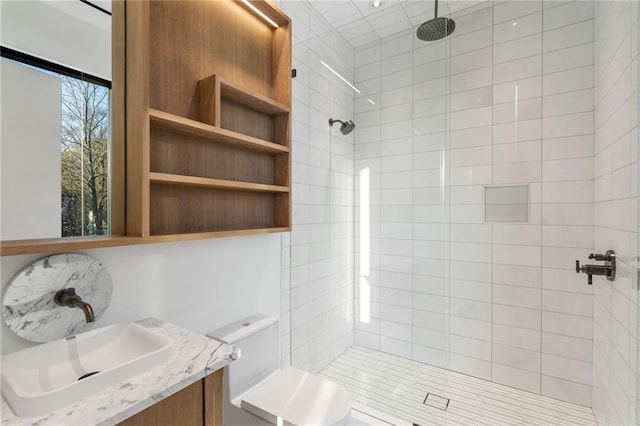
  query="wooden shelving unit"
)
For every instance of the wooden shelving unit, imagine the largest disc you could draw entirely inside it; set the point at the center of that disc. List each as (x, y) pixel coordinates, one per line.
(208, 119)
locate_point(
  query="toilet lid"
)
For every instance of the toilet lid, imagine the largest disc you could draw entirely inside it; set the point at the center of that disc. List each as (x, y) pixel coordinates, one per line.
(298, 397)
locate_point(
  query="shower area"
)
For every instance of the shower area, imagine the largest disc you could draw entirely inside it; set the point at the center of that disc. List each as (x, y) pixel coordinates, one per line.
(438, 217)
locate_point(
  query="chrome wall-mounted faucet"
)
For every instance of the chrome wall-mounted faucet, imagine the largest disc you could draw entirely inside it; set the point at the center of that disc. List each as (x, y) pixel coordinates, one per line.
(68, 297)
(608, 269)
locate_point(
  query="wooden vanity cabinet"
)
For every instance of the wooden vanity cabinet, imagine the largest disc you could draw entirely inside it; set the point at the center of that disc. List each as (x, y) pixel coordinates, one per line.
(199, 404)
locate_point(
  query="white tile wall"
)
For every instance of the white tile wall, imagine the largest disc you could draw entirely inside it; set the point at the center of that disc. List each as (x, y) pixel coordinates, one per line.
(317, 296)
(615, 174)
(507, 100)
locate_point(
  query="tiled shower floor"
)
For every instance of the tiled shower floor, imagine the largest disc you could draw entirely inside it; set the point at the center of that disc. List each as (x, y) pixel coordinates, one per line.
(393, 388)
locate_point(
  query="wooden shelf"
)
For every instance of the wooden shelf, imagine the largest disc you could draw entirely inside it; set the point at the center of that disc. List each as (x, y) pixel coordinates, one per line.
(214, 234)
(254, 101)
(207, 157)
(193, 127)
(215, 183)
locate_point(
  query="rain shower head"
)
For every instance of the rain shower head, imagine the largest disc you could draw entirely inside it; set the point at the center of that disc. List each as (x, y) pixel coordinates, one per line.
(346, 126)
(436, 28)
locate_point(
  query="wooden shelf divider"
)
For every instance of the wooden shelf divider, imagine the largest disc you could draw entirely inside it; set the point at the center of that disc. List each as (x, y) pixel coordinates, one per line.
(197, 128)
(215, 183)
(254, 101)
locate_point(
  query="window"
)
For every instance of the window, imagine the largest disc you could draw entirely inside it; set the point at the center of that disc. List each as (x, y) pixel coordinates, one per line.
(83, 138)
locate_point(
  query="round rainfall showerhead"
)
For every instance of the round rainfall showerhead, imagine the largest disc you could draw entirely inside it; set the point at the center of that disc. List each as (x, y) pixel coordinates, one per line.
(436, 28)
(346, 126)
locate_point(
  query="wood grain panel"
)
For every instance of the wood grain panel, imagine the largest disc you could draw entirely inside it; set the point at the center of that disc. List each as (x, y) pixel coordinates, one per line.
(192, 40)
(118, 118)
(183, 408)
(240, 119)
(195, 156)
(183, 209)
(137, 120)
(213, 398)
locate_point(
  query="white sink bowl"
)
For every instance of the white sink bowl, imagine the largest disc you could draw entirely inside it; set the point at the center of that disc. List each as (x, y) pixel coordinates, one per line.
(44, 378)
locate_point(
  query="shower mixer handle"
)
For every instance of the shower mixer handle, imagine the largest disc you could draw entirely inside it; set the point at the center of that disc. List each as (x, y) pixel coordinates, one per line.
(608, 269)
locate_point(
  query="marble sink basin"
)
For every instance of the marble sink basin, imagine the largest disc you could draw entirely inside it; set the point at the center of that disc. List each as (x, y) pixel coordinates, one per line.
(44, 378)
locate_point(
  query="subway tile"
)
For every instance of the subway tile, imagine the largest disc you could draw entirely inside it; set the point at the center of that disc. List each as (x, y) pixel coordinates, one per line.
(524, 297)
(470, 347)
(567, 169)
(522, 110)
(516, 378)
(568, 81)
(471, 309)
(515, 336)
(475, 98)
(515, 357)
(566, 391)
(466, 138)
(472, 290)
(518, 28)
(572, 12)
(513, 173)
(472, 41)
(525, 47)
(470, 328)
(568, 147)
(569, 58)
(471, 366)
(567, 303)
(430, 338)
(516, 316)
(516, 234)
(567, 214)
(567, 347)
(510, 10)
(517, 70)
(575, 191)
(568, 103)
(397, 331)
(471, 79)
(568, 36)
(517, 152)
(567, 325)
(517, 131)
(567, 236)
(516, 275)
(517, 90)
(568, 125)
(567, 369)
(430, 356)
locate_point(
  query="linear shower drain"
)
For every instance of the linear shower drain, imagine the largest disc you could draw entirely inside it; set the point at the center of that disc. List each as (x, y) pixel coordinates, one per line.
(436, 401)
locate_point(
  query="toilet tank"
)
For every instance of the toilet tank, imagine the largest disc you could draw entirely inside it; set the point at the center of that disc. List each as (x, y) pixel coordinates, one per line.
(257, 338)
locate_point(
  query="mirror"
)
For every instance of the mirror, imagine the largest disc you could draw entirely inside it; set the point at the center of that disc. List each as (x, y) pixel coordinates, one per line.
(56, 151)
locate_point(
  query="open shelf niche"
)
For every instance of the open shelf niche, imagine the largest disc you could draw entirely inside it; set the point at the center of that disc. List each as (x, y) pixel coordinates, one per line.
(208, 119)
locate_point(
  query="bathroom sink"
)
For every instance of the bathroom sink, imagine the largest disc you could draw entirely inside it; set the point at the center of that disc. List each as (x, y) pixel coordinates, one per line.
(46, 377)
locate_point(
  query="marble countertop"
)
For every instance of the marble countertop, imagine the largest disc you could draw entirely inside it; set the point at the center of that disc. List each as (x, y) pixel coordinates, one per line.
(194, 356)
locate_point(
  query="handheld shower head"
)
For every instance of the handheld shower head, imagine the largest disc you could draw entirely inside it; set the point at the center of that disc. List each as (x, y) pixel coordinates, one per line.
(346, 126)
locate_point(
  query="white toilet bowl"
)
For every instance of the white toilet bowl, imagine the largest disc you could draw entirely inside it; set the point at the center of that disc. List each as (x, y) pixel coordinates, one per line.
(254, 383)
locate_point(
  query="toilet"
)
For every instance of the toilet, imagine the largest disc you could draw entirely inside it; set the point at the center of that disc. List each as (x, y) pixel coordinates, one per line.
(257, 392)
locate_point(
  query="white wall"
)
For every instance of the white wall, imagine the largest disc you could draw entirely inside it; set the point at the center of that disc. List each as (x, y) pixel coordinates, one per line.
(199, 285)
(616, 210)
(30, 124)
(66, 32)
(318, 295)
(507, 99)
